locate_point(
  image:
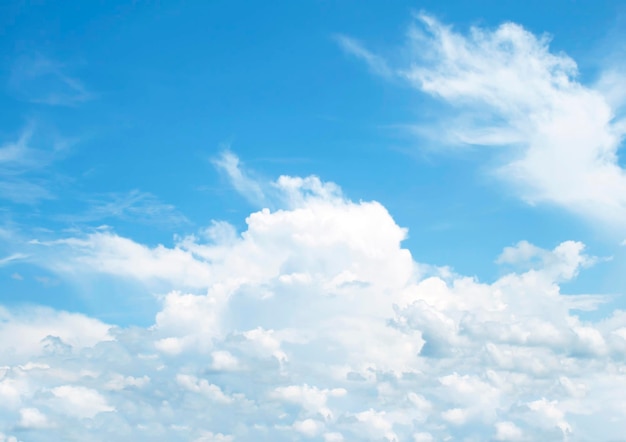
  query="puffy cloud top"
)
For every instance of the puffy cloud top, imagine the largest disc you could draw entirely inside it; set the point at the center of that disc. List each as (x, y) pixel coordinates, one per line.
(315, 324)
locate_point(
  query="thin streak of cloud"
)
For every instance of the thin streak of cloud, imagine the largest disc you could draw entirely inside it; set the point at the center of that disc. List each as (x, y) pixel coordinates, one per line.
(136, 206)
(377, 64)
(41, 80)
(24, 192)
(248, 187)
(12, 258)
(26, 172)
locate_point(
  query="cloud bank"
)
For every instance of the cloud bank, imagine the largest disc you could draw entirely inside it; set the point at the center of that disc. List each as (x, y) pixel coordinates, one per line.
(314, 323)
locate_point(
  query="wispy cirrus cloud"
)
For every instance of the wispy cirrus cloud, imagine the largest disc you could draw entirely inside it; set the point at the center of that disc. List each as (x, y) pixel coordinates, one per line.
(18, 156)
(24, 170)
(376, 63)
(508, 89)
(28, 176)
(39, 79)
(248, 187)
(15, 257)
(135, 205)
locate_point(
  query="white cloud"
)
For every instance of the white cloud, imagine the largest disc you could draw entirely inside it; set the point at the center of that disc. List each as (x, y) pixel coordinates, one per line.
(32, 418)
(119, 382)
(315, 322)
(285, 192)
(245, 185)
(308, 427)
(211, 437)
(333, 437)
(107, 253)
(79, 401)
(224, 360)
(5, 438)
(312, 399)
(201, 386)
(32, 330)
(508, 89)
(377, 64)
(423, 437)
(508, 431)
(550, 414)
(12, 258)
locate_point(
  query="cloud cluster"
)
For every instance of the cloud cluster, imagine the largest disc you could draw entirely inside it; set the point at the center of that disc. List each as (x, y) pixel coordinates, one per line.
(315, 324)
(508, 89)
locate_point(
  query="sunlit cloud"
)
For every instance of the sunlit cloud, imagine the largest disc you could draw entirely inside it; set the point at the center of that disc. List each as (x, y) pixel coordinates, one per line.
(315, 322)
(508, 89)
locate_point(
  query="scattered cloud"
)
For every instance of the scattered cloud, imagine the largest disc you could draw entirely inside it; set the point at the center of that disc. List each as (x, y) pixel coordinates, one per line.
(286, 191)
(27, 175)
(248, 187)
(25, 171)
(12, 258)
(315, 322)
(41, 80)
(135, 206)
(508, 89)
(378, 65)
(46, 281)
(32, 418)
(24, 192)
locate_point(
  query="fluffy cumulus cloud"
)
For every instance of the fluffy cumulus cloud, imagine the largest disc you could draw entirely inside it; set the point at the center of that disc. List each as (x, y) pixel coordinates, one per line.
(510, 90)
(314, 323)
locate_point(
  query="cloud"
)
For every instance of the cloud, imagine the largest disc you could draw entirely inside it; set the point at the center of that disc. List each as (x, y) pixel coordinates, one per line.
(24, 170)
(286, 191)
(79, 401)
(24, 192)
(563, 262)
(31, 331)
(509, 90)
(314, 322)
(135, 206)
(12, 258)
(27, 175)
(108, 253)
(248, 187)
(32, 418)
(377, 64)
(41, 80)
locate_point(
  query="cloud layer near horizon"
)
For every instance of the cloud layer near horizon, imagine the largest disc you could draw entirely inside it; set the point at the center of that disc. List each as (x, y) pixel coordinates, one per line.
(314, 324)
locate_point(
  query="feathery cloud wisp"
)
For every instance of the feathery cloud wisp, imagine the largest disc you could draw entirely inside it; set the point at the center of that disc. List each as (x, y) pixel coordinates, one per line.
(508, 89)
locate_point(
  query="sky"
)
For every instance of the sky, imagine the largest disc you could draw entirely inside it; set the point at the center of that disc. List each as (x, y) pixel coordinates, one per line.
(312, 221)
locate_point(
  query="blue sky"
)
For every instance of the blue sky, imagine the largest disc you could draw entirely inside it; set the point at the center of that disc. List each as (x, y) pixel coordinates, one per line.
(210, 181)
